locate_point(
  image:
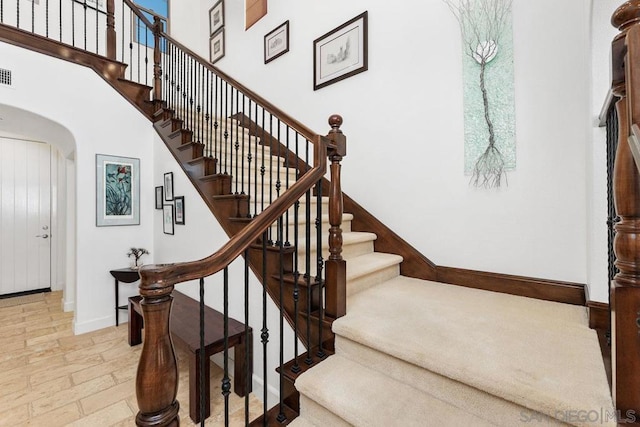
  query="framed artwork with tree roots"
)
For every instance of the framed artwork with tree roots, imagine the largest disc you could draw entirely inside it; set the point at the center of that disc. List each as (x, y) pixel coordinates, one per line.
(489, 106)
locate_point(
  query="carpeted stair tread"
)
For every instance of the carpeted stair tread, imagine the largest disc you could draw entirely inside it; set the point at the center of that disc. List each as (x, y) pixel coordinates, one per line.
(364, 397)
(301, 422)
(371, 269)
(538, 354)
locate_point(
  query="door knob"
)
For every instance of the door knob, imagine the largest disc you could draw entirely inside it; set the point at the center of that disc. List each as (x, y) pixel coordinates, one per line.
(44, 236)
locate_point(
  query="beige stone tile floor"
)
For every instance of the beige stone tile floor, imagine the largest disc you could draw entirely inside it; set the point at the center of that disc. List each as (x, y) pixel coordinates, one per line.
(51, 377)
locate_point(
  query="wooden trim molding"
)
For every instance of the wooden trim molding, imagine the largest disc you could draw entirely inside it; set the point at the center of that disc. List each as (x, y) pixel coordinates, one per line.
(548, 290)
(599, 315)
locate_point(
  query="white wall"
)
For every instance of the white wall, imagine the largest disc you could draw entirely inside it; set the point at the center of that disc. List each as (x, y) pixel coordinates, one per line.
(403, 120)
(84, 106)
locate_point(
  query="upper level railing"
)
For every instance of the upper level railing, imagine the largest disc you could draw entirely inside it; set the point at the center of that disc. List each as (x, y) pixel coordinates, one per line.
(254, 153)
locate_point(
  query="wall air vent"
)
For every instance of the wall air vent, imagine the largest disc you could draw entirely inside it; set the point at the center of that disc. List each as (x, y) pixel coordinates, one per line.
(5, 77)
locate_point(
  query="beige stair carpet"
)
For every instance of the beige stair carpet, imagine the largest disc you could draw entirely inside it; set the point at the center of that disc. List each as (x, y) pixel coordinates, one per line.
(537, 354)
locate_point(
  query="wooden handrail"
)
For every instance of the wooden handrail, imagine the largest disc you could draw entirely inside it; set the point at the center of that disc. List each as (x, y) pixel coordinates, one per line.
(136, 9)
(156, 277)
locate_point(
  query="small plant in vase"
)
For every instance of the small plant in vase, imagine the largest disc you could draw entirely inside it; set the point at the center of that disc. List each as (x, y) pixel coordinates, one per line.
(136, 253)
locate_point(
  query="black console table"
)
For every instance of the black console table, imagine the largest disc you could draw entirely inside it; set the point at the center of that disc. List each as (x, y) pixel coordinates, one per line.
(124, 275)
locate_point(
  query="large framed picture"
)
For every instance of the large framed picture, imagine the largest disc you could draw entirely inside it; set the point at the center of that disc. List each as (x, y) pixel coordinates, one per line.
(340, 53)
(168, 186)
(276, 43)
(167, 219)
(216, 46)
(117, 190)
(216, 17)
(179, 205)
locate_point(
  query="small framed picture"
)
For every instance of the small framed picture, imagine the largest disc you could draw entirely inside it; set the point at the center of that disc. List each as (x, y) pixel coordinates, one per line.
(216, 46)
(167, 219)
(276, 43)
(159, 197)
(168, 186)
(340, 53)
(179, 204)
(216, 17)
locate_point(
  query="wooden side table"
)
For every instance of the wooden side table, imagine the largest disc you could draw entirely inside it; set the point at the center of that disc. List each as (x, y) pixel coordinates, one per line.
(124, 275)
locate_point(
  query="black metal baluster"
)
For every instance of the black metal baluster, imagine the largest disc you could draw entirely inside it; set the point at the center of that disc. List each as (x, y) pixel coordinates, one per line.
(60, 19)
(203, 359)
(97, 27)
(307, 268)
(237, 142)
(281, 417)
(247, 359)
(131, 21)
(255, 171)
(226, 130)
(216, 125)
(270, 158)
(2, 11)
(262, 168)
(243, 130)
(296, 285)
(84, 13)
(146, 55)
(46, 18)
(226, 384)
(321, 354)
(264, 333)
(199, 108)
(138, 42)
(207, 116)
(18, 13)
(122, 33)
(232, 145)
(33, 15)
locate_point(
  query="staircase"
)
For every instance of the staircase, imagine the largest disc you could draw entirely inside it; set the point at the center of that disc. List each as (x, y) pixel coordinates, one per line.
(409, 351)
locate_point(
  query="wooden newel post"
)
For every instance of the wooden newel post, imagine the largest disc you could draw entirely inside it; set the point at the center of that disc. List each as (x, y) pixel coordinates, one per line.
(625, 290)
(158, 28)
(111, 30)
(157, 377)
(336, 267)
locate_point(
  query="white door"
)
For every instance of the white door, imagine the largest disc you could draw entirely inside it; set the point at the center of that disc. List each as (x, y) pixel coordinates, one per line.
(25, 214)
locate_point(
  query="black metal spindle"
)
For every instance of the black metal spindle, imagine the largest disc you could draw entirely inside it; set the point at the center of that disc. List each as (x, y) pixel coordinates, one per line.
(264, 333)
(237, 142)
(247, 359)
(200, 108)
(84, 19)
(207, 116)
(281, 417)
(122, 33)
(33, 15)
(203, 360)
(296, 285)
(131, 46)
(286, 185)
(307, 268)
(146, 54)
(232, 144)
(46, 18)
(320, 263)
(97, 28)
(1, 11)
(18, 13)
(226, 130)
(612, 219)
(226, 384)
(216, 99)
(262, 168)
(243, 148)
(270, 158)
(138, 43)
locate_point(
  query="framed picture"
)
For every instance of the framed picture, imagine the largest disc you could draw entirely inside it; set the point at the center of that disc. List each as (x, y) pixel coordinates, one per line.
(216, 17)
(99, 5)
(168, 186)
(216, 46)
(159, 197)
(340, 53)
(276, 43)
(167, 219)
(117, 190)
(179, 204)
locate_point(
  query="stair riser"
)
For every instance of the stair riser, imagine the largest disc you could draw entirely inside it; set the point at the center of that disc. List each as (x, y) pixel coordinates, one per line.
(348, 252)
(319, 415)
(375, 278)
(346, 227)
(185, 154)
(481, 404)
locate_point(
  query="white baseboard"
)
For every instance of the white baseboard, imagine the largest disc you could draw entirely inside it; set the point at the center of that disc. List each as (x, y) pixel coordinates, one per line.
(93, 325)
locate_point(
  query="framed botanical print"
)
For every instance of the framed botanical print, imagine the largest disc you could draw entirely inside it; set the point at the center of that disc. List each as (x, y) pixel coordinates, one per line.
(117, 190)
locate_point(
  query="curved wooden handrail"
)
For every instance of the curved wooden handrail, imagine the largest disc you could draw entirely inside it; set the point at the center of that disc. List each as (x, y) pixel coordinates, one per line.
(159, 277)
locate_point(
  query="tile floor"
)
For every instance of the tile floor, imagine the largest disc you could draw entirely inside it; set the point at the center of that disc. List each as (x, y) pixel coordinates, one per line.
(50, 377)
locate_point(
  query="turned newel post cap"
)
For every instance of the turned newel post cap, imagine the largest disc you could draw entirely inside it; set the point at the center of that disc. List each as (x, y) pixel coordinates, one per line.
(626, 15)
(335, 121)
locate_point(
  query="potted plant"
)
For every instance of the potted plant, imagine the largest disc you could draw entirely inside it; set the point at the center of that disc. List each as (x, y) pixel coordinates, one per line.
(136, 253)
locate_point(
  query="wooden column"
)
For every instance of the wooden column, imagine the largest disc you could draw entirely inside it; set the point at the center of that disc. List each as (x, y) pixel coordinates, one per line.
(157, 377)
(625, 291)
(111, 31)
(336, 267)
(158, 28)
